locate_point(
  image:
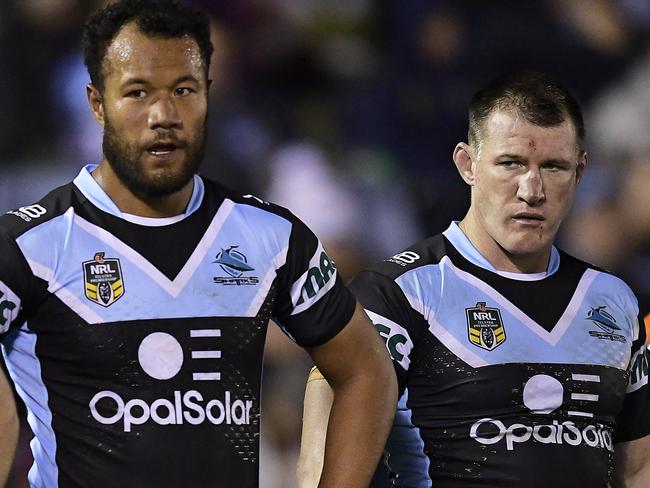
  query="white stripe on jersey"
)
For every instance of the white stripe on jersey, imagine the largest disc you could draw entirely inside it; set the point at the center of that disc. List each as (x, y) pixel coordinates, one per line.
(562, 325)
(69, 298)
(175, 286)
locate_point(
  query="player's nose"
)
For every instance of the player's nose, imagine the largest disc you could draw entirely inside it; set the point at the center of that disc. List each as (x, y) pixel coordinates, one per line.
(531, 187)
(164, 114)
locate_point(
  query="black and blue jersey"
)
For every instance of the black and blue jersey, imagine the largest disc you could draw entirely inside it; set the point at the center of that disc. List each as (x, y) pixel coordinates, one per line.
(136, 343)
(507, 380)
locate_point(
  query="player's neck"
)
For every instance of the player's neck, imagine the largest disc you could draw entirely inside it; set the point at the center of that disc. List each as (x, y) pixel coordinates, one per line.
(500, 258)
(137, 204)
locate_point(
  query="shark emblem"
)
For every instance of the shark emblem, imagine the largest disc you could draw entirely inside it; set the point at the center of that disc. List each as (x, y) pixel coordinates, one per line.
(232, 261)
(603, 319)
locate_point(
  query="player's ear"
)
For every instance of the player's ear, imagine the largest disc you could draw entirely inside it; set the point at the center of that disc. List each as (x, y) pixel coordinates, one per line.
(582, 164)
(96, 103)
(464, 161)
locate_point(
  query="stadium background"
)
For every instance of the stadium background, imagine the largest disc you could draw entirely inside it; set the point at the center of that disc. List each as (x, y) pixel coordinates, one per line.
(347, 112)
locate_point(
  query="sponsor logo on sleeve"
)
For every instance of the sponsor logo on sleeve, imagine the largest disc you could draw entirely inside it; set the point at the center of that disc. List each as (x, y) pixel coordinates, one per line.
(314, 283)
(29, 212)
(234, 264)
(606, 322)
(397, 339)
(103, 280)
(638, 370)
(485, 327)
(404, 258)
(9, 307)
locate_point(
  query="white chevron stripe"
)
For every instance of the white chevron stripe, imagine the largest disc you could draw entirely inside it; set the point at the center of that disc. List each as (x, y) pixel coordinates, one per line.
(263, 288)
(175, 286)
(454, 345)
(66, 296)
(563, 323)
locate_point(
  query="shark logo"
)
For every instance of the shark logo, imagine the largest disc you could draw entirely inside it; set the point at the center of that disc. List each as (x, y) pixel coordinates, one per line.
(235, 264)
(606, 322)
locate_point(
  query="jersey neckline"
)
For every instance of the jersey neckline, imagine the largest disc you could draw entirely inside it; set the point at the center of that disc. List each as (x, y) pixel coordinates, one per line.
(98, 197)
(464, 246)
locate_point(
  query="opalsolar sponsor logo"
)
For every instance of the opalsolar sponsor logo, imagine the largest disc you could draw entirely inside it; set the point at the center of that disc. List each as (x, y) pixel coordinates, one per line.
(189, 407)
(490, 431)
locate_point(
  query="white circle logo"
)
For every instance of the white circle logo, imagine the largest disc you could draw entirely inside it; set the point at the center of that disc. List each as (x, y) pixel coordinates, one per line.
(160, 355)
(543, 394)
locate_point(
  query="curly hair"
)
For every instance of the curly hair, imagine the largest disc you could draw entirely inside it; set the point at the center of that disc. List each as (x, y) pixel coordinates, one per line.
(162, 18)
(537, 96)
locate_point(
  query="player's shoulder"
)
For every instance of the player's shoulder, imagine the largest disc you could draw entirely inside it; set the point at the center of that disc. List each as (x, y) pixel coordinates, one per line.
(18, 221)
(601, 277)
(246, 202)
(426, 252)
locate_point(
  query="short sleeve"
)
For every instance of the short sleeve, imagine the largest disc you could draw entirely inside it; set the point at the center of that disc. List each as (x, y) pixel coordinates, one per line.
(312, 304)
(15, 283)
(633, 421)
(394, 318)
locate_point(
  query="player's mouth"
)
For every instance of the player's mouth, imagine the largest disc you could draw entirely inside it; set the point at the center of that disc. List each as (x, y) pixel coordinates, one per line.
(528, 218)
(163, 150)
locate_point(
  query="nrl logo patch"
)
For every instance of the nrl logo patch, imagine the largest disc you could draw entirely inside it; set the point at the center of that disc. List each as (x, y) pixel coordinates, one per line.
(103, 280)
(485, 327)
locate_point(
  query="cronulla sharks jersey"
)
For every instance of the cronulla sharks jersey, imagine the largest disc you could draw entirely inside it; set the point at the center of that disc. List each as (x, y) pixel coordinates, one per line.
(507, 380)
(137, 343)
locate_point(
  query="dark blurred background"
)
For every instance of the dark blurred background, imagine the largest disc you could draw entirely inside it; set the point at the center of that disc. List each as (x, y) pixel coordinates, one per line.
(347, 112)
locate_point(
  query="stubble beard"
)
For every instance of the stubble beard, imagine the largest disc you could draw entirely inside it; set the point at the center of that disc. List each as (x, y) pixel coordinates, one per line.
(124, 160)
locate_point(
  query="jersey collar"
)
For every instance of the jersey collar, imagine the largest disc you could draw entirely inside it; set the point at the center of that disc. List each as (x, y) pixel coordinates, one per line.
(464, 246)
(93, 192)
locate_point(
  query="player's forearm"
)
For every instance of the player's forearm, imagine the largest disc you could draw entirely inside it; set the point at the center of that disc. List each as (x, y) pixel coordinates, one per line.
(632, 464)
(8, 429)
(360, 419)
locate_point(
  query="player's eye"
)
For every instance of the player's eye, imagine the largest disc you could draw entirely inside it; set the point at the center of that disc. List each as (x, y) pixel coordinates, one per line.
(136, 94)
(182, 91)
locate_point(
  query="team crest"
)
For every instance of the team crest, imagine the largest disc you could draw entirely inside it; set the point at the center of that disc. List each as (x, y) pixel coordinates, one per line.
(485, 327)
(103, 280)
(234, 263)
(606, 322)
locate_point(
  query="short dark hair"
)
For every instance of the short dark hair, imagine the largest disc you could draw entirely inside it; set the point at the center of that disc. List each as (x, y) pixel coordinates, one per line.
(163, 18)
(540, 98)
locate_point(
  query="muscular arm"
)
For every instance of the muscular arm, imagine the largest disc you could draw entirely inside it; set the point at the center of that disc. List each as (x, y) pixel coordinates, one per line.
(632, 464)
(8, 428)
(362, 379)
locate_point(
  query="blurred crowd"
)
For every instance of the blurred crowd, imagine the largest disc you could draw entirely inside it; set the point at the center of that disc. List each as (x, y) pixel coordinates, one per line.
(347, 112)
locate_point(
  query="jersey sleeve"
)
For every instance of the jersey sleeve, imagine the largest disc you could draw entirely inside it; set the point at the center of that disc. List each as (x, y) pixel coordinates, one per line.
(633, 421)
(313, 304)
(394, 318)
(15, 284)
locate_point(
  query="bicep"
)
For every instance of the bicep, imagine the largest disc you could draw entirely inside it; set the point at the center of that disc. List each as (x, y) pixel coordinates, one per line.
(632, 463)
(357, 349)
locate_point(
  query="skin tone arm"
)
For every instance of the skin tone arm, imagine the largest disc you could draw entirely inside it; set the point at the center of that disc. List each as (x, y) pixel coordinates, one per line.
(317, 405)
(8, 428)
(363, 398)
(632, 464)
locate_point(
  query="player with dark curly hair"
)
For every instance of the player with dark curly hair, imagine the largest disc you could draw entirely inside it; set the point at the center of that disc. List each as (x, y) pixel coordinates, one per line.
(134, 300)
